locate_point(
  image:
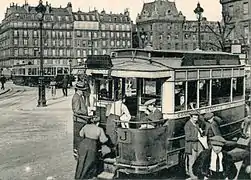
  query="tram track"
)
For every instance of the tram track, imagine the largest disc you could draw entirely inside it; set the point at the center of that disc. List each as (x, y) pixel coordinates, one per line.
(14, 98)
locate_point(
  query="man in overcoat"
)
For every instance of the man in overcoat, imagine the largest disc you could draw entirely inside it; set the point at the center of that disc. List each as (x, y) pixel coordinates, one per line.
(214, 163)
(80, 112)
(192, 144)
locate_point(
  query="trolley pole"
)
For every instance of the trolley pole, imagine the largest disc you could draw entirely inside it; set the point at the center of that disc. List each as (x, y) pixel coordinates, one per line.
(40, 9)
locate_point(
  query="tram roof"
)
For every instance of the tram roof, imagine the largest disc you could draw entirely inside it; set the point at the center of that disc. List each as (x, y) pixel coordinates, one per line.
(139, 63)
(188, 58)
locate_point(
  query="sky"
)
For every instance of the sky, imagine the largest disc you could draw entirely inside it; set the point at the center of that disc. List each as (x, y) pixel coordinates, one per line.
(212, 8)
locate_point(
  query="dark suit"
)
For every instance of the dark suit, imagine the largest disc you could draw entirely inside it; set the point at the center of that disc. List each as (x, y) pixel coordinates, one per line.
(202, 164)
(212, 129)
(192, 146)
(65, 86)
(79, 108)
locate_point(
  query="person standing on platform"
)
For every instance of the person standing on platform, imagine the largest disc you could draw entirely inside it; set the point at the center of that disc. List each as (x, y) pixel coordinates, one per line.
(117, 111)
(152, 114)
(192, 145)
(80, 113)
(214, 163)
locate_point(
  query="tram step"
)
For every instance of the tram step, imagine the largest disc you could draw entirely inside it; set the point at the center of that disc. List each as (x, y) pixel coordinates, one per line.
(109, 165)
(106, 175)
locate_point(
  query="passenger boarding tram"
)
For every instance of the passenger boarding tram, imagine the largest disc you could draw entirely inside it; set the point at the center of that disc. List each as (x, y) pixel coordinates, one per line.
(180, 81)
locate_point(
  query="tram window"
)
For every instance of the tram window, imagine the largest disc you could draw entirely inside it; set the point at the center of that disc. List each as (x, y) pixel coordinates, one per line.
(45, 71)
(237, 88)
(180, 92)
(49, 71)
(151, 89)
(221, 91)
(33, 71)
(130, 87)
(59, 70)
(204, 87)
(191, 94)
(104, 89)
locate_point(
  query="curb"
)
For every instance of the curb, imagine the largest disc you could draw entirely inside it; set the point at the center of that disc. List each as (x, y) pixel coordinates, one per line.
(5, 91)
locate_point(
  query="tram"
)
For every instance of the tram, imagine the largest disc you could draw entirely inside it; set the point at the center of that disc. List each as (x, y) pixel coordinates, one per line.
(28, 74)
(181, 82)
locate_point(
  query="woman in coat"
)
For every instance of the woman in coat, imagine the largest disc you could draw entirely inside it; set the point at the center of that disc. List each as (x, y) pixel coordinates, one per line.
(88, 151)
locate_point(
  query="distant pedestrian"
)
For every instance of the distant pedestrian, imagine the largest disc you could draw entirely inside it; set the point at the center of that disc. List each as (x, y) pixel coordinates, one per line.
(65, 82)
(3, 81)
(53, 87)
(214, 163)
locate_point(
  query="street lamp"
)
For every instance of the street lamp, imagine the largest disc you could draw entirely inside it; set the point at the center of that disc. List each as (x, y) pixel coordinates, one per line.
(198, 11)
(70, 63)
(40, 9)
(143, 37)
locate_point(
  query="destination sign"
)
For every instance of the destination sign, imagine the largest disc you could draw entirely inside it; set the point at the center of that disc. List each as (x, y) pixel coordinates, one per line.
(204, 110)
(203, 62)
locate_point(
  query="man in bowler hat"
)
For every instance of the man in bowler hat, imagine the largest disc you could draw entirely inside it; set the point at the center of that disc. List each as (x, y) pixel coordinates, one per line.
(214, 163)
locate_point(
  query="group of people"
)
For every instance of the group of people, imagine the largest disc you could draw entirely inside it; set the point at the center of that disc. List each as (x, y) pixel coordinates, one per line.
(90, 138)
(206, 162)
(65, 82)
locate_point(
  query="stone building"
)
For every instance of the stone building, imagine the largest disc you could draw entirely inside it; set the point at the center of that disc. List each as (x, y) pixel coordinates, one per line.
(20, 35)
(162, 26)
(99, 33)
(67, 35)
(239, 17)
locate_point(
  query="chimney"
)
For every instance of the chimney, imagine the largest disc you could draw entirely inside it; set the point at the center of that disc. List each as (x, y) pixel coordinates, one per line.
(48, 9)
(26, 7)
(69, 7)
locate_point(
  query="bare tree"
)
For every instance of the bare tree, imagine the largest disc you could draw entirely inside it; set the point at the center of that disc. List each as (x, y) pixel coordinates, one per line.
(222, 33)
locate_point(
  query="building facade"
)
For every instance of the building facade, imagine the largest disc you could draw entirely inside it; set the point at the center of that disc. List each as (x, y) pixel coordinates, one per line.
(67, 36)
(99, 33)
(239, 16)
(162, 26)
(20, 36)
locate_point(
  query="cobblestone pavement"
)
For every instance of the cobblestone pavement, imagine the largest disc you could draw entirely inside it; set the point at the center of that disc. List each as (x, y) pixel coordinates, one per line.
(35, 143)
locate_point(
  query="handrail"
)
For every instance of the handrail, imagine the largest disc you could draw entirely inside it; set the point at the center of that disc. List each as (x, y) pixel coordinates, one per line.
(176, 138)
(140, 122)
(234, 122)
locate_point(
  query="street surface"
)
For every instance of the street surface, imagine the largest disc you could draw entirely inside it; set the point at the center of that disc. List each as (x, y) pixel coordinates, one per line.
(35, 143)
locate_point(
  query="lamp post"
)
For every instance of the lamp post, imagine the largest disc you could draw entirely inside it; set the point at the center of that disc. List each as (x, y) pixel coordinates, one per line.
(40, 9)
(198, 11)
(71, 79)
(70, 63)
(143, 37)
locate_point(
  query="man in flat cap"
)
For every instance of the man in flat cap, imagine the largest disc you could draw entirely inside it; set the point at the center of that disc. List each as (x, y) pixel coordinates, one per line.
(212, 126)
(152, 114)
(215, 163)
(192, 145)
(79, 108)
